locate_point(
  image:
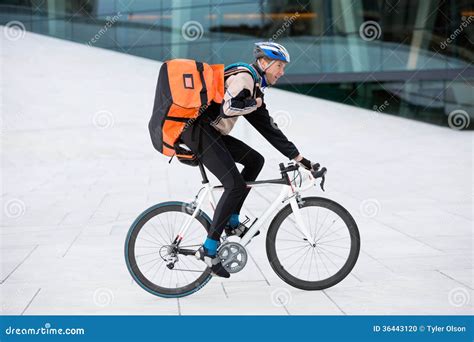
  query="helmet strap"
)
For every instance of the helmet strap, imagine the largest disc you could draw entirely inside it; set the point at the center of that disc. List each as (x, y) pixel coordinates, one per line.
(264, 79)
(265, 69)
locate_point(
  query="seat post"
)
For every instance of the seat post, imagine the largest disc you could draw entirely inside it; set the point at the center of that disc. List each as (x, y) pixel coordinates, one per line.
(203, 173)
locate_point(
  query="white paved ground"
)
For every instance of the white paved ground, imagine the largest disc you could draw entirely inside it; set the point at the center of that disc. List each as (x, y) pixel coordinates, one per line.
(78, 167)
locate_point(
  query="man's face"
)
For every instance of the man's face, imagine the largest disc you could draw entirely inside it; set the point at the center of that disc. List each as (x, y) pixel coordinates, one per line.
(275, 71)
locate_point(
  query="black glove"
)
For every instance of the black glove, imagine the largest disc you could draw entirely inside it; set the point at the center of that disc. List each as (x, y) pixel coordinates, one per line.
(306, 164)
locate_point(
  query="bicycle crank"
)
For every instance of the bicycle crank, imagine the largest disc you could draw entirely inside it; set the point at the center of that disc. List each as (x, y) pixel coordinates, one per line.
(233, 256)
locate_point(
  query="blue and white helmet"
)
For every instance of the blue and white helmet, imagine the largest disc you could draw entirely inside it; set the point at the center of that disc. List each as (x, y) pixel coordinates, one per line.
(271, 50)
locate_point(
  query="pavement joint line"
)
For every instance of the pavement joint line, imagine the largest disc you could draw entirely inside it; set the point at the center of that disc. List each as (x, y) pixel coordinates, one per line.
(55, 228)
(17, 266)
(377, 260)
(332, 300)
(409, 236)
(84, 227)
(259, 269)
(116, 220)
(286, 309)
(64, 217)
(357, 278)
(458, 215)
(253, 259)
(454, 279)
(31, 300)
(223, 289)
(77, 236)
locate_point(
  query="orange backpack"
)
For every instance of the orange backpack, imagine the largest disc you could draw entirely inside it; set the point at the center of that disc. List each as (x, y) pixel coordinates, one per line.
(184, 90)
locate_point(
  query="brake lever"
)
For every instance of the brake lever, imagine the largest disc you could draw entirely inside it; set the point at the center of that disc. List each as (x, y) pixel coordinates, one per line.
(320, 174)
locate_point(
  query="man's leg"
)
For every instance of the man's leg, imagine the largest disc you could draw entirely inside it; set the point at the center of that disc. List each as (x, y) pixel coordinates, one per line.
(253, 164)
(217, 158)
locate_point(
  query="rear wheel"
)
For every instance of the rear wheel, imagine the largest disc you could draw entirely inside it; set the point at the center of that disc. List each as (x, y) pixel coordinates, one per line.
(318, 266)
(154, 260)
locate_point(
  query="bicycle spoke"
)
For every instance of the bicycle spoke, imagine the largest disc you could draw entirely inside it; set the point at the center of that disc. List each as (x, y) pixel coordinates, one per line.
(184, 274)
(293, 240)
(163, 276)
(290, 233)
(157, 261)
(333, 246)
(164, 228)
(304, 259)
(188, 238)
(154, 275)
(157, 231)
(149, 241)
(293, 254)
(155, 247)
(316, 261)
(195, 262)
(289, 252)
(153, 237)
(345, 237)
(298, 259)
(334, 232)
(174, 225)
(316, 224)
(310, 262)
(320, 258)
(140, 255)
(295, 225)
(317, 228)
(332, 261)
(328, 228)
(322, 248)
(288, 248)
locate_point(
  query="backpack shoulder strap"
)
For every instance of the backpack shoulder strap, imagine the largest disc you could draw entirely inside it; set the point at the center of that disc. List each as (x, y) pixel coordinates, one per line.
(239, 67)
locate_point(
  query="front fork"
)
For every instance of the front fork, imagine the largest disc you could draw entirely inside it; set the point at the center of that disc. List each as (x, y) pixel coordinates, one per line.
(295, 202)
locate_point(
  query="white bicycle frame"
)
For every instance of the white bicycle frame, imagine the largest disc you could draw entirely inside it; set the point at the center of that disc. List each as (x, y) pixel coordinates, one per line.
(288, 193)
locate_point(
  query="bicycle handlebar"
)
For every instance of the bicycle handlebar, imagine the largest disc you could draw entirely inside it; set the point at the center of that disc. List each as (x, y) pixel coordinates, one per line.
(316, 172)
(291, 167)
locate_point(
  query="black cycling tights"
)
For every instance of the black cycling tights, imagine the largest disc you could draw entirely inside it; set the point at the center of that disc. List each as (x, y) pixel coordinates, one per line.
(219, 153)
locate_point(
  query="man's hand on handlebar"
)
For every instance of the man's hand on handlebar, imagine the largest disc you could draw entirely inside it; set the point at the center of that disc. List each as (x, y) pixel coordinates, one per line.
(304, 163)
(315, 169)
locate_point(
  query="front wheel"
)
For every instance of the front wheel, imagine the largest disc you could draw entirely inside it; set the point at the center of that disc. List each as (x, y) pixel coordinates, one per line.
(318, 266)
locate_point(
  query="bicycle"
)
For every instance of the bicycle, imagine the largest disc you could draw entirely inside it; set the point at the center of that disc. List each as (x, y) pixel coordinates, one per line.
(292, 237)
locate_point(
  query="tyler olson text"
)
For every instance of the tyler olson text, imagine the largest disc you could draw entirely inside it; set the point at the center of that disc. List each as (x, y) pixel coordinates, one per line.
(448, 328)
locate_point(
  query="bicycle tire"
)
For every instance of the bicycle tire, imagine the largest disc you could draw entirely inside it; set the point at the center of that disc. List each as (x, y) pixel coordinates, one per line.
(324, 283)
(130, 257)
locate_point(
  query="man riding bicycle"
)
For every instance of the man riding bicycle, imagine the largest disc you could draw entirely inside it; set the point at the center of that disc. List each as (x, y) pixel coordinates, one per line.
(208, 137)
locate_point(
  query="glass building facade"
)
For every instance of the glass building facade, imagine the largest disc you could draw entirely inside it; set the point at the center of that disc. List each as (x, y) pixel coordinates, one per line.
(411, 58)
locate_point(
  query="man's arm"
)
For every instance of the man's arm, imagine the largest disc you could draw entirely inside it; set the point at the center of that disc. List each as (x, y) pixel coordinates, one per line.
(238, 98)
(263, 122)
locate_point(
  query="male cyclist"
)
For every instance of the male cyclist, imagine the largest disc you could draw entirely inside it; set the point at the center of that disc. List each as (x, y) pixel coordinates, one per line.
(209, 139)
